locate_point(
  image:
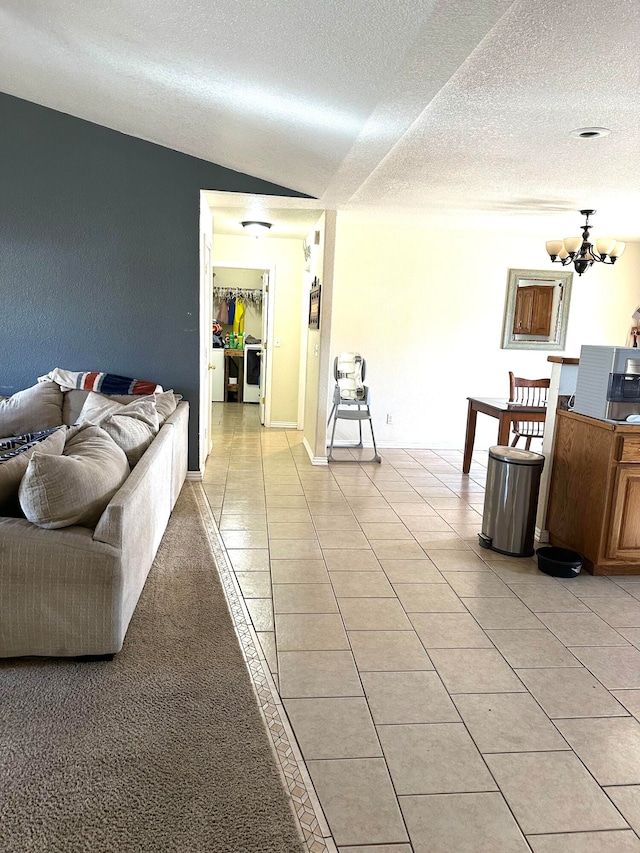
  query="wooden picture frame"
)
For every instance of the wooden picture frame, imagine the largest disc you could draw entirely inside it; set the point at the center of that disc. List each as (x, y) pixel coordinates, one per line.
(314, 304)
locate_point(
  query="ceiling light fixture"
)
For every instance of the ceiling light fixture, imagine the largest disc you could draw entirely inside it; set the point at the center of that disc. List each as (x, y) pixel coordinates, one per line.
(590, 132)
(256, 228)
(581, 253)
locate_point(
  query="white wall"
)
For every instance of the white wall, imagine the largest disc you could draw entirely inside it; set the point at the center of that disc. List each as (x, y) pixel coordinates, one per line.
(286, 256)
(425, 309)
(318, 384)
(312, 379)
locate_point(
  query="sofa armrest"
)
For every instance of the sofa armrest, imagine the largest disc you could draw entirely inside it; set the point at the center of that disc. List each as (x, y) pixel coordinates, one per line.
(136, 518)
(60, 592)
(178, 422)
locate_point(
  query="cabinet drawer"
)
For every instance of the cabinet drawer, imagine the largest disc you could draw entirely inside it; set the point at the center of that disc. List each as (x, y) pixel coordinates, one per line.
(629, 449)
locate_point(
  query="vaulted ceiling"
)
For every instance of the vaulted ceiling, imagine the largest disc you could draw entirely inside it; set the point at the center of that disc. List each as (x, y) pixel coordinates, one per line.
(454, 108)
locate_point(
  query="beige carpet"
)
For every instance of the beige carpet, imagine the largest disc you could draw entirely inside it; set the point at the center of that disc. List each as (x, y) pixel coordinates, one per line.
(163, 748)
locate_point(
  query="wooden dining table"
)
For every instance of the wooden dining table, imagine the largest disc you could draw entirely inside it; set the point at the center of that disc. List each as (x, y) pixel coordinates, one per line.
(506, 413)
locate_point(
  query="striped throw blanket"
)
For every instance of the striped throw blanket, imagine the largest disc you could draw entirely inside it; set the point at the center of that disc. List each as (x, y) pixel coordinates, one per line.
(104, 383)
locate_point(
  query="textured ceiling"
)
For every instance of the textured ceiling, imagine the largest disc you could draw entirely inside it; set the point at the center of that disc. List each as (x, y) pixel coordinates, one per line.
(446, 108)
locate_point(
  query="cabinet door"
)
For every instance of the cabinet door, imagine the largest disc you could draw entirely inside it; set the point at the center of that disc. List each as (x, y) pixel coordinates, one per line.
(541, 311)
(523, 311)
(624, 540)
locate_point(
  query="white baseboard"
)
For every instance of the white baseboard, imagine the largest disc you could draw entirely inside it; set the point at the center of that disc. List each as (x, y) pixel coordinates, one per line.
(315, 460)
(195, 476)
(542, 536)
(284, 425)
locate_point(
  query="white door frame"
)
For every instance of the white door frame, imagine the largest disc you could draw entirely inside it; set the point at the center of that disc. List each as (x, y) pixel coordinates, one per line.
(304, 337)
(271, 269)
(205, 320)
(255, 202)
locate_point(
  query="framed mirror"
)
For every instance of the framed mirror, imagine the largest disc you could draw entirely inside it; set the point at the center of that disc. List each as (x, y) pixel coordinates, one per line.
(536, 310)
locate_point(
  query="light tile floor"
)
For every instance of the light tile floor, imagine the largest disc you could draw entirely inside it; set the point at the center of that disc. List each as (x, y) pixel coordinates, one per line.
(445, 698)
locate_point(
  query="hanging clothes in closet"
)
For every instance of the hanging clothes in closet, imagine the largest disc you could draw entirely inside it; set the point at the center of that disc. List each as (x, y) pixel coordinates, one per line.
(238, 317)
(233, 303)
(232, 310)
(252, 296)
(223, 313)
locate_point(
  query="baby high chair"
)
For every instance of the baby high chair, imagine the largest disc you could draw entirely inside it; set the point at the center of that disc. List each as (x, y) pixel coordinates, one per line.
(351, 400)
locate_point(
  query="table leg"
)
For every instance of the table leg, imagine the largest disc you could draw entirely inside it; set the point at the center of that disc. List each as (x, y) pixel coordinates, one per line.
(469, 438)
(504, 429)
(226, 378)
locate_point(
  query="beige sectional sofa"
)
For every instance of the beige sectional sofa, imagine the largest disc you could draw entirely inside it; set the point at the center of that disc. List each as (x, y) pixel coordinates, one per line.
(72, 591)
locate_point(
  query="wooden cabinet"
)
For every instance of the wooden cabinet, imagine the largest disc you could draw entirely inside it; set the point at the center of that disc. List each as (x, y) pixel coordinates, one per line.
(594, 499)
(624, 533)
(532, 314)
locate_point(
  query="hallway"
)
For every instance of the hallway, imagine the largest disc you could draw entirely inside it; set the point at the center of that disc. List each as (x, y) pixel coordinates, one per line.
(444, 698)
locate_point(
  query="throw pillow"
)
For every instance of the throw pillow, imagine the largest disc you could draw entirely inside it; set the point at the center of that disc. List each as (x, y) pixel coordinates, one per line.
(74, 488)
(97, 407)
(76, 398)
(15, 455)
(166, 404)
(31, 410)
(133, 427)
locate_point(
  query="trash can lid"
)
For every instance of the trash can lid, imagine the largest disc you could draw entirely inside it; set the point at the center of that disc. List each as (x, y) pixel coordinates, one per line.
(515, 456)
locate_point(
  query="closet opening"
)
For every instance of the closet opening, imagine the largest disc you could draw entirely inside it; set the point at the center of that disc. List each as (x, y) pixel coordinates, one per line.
(240, 311)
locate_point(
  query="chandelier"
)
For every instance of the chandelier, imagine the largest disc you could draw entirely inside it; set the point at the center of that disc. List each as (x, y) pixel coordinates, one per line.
(581, 253)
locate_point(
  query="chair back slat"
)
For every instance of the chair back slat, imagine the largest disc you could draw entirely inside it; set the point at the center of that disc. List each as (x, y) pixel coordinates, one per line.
(528, 392)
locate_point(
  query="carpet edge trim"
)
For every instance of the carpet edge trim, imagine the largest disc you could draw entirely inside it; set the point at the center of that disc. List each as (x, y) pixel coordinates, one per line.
(304, 802)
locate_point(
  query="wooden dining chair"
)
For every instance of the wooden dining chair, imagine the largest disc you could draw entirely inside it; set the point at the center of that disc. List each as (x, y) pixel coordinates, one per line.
(527, 392)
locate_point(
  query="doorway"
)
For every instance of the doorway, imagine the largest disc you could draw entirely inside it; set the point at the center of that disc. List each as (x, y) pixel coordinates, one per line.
(282, 252)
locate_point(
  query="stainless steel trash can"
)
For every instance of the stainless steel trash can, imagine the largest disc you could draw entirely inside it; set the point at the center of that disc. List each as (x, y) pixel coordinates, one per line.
(511, 500)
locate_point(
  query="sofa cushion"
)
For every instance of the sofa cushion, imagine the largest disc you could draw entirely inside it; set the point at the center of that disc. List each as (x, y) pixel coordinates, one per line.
(75, 399)
(133, 427)
(74, 488)
(97, 406)
(14, 460)
(166, 404)
(31, 410)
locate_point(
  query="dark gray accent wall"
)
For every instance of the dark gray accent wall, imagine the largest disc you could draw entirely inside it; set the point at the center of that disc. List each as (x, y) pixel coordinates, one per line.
(99, 252)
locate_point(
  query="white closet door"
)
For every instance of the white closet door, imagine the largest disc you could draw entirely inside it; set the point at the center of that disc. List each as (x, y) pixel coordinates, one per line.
(216, 364)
